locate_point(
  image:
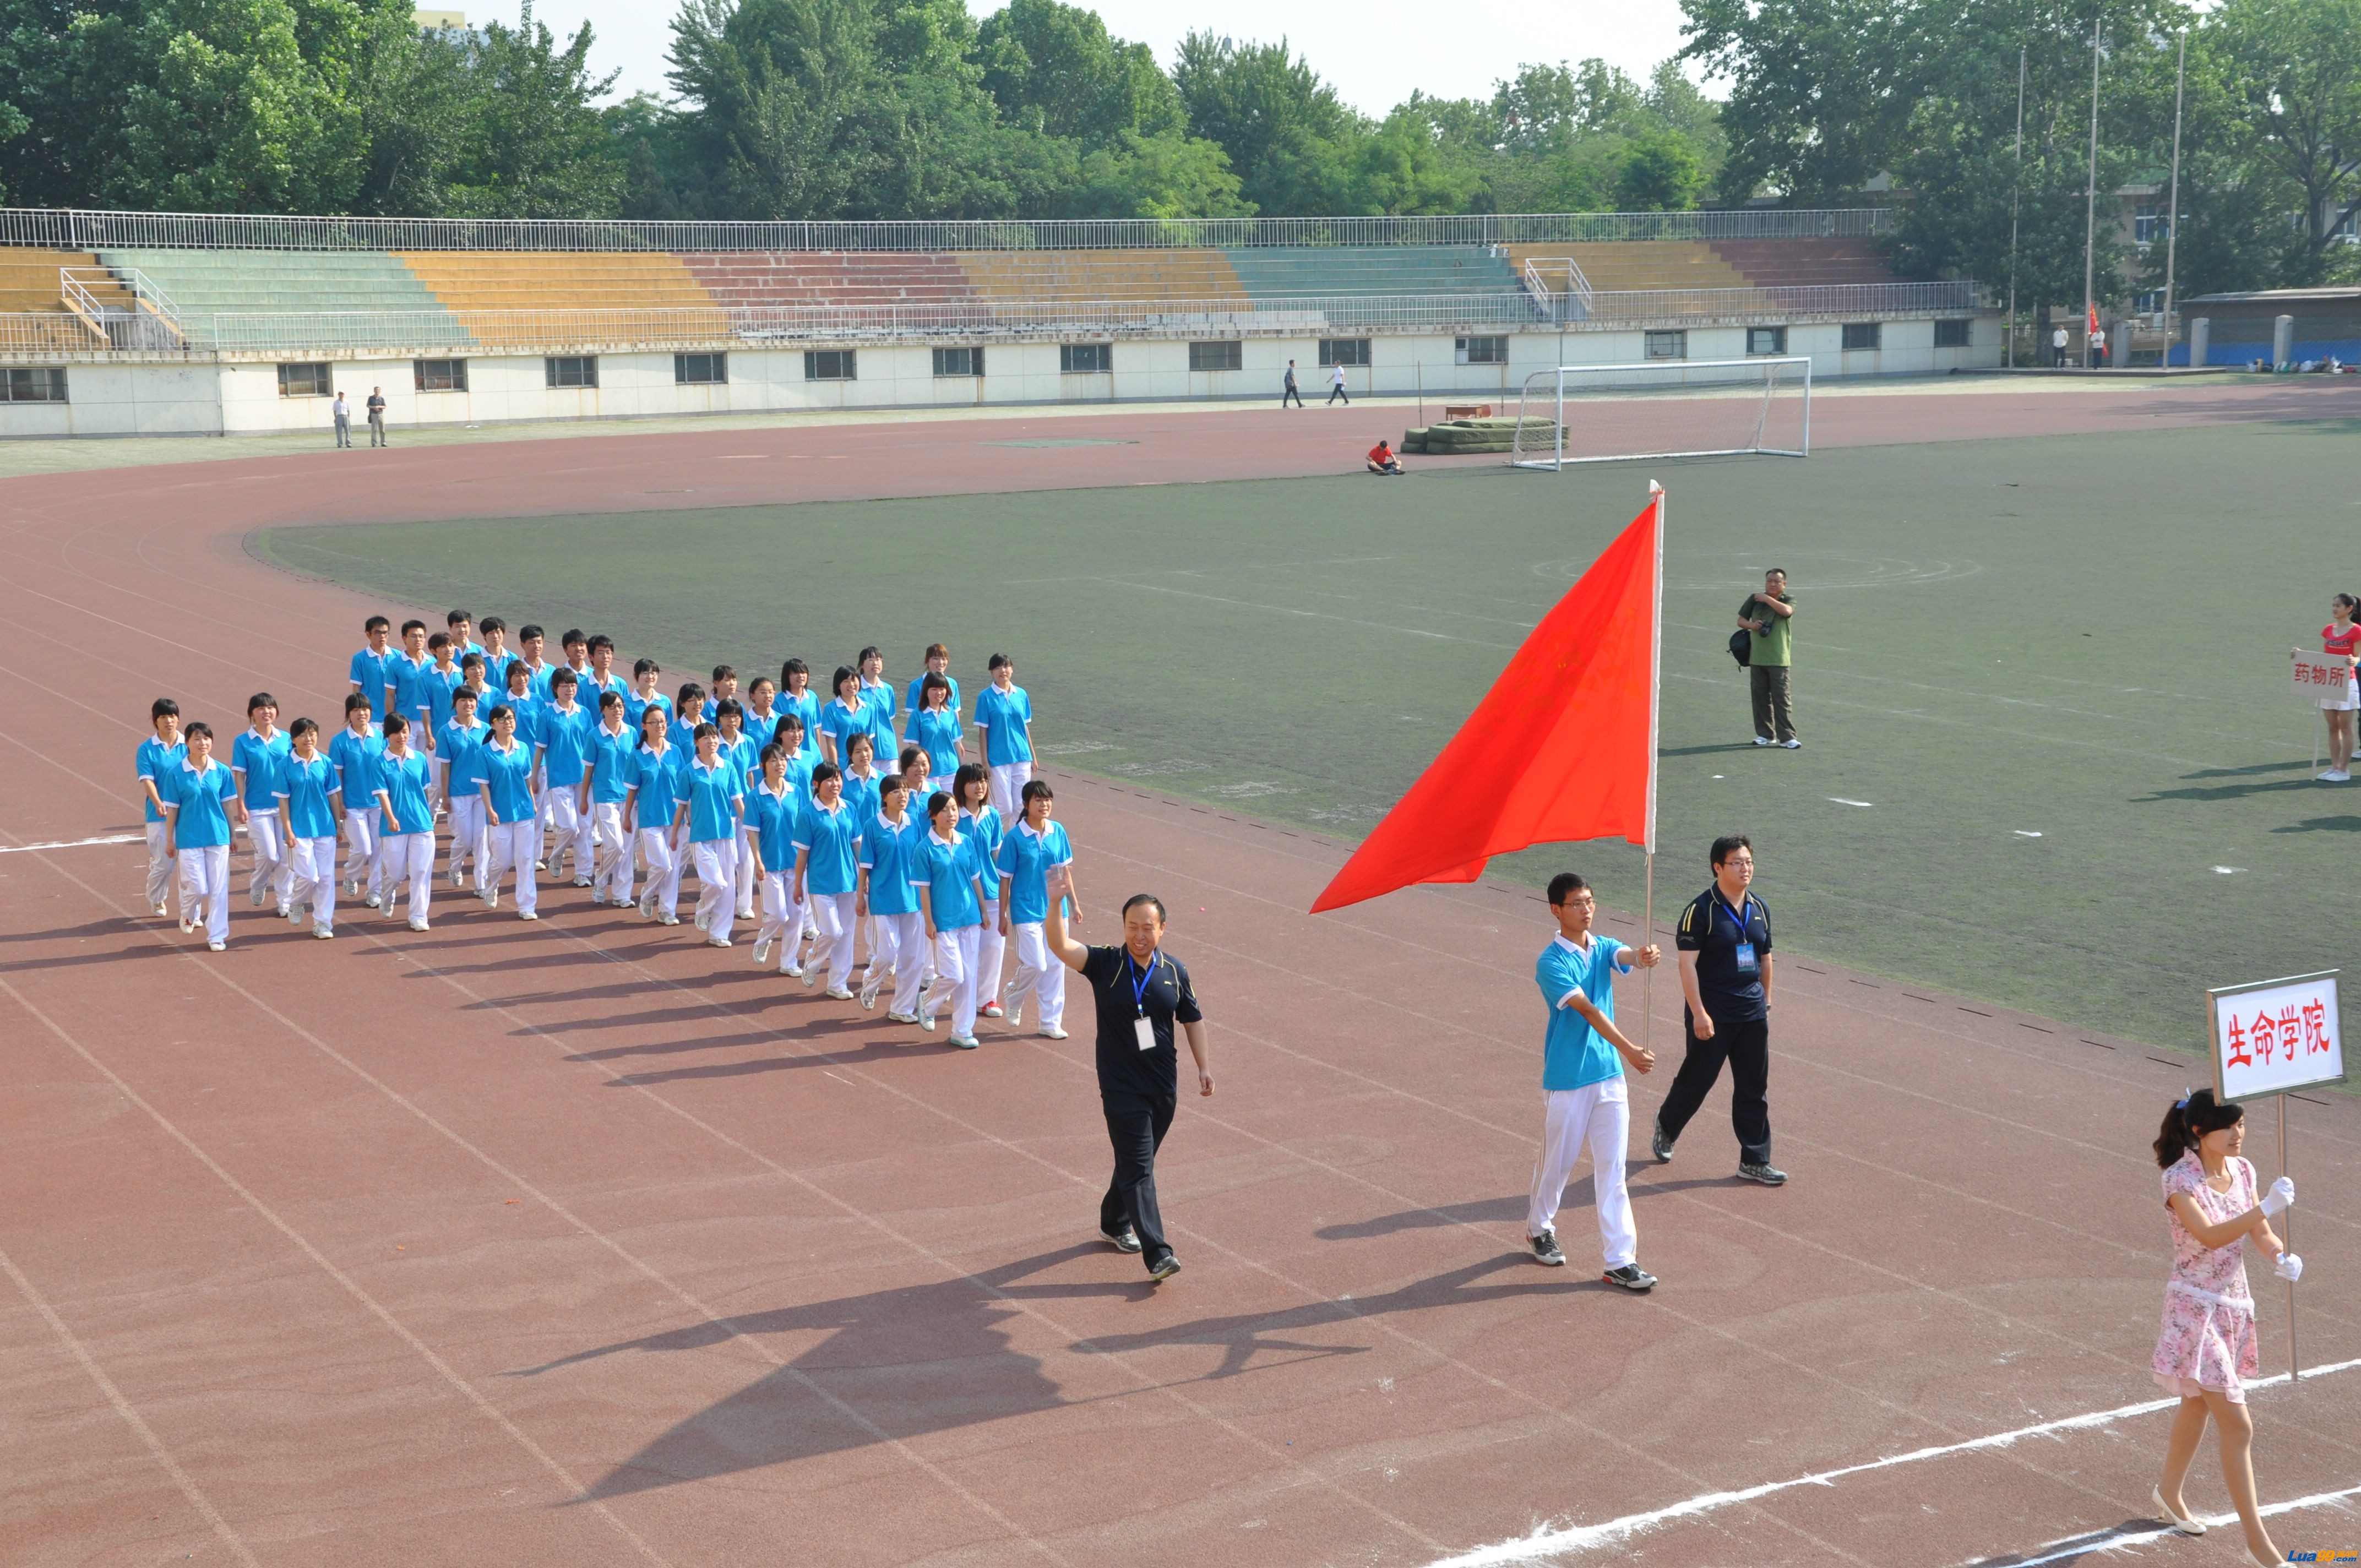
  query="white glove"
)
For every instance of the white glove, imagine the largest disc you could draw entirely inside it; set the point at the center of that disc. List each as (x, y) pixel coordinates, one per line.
(2280, 1196)
(2289, 1267)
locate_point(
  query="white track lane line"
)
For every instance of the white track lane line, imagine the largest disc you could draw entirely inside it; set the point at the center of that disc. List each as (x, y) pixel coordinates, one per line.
(1547, 1542)
(76, 843)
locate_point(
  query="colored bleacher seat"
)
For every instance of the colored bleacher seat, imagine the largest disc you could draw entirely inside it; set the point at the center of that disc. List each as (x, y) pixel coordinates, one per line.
(29, 286)
(354, 284)
(520, 299)
(1295, 271)
(1131, 276)
(1804, 263)
(779, 278)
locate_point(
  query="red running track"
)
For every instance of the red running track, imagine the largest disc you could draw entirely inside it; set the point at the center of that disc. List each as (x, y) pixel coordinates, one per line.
(579, 1243)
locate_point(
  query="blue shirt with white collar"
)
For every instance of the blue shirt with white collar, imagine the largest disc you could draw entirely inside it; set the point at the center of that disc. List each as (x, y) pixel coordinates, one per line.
(1573, 1053)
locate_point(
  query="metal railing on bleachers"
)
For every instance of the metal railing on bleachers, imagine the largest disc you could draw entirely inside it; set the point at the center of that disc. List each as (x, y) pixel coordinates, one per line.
(82, 229)
(345, 333)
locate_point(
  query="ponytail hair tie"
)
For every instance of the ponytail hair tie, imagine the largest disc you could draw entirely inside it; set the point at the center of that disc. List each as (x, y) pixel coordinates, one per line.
(2182, 1103)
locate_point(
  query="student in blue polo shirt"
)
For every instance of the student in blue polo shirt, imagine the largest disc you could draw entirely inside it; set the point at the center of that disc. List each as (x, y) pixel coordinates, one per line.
(688, 713)
(565, 738)
(1031, 848)
(712, 810)
(497, 658)
(408, 677)
(862, 782)
(603, 677)
(935, 725)
(1584, 1097)
(369, 670)
(878, 692)
(653, 803)
(197, 812)
(1004, 714)
(772, 809)
(846, 713)
(938, 662)
(355, 752)
(448, 678)
(524, 702)
(980, 825)
(943, 868)
(644, 695)
(614, 745)
(309, 798)
(405, 804)
(460, 628)
(737, 749)
(763, 712)
(158, 760)
(458, 754)
(898, 931)
(796, 696)
(255, 757)
(828, 877)
(505, 768)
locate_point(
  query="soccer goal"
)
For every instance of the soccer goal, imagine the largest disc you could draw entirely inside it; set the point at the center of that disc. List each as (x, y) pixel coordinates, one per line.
(1664, 408)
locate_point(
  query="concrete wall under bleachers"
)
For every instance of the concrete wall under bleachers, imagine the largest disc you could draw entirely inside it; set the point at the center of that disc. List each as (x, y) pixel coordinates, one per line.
(242, 397)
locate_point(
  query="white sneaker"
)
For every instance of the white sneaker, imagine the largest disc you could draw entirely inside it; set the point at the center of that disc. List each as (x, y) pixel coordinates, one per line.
(762, 951)
(160, 910)
(459, 877)
(837, 994)
(868, 999)
(598, 896)
(188, 926)
(1763, 741)
(2334, 775)
(323, 932)
(492, 897)
(373, 901)
(255, 895)
(582, 882)
(1015, 1018)
(1053, 1032)
(1790, 744)
(293, 914)
(667, 919)
(648, 905)
(717, 941)
(418, 925)
(927, 1021)
(528, 914)
(218, 947)
(811, 976)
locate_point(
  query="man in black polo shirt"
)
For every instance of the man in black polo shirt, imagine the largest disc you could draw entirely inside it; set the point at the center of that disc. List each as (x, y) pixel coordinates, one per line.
(1140, 992)
(1724, 942)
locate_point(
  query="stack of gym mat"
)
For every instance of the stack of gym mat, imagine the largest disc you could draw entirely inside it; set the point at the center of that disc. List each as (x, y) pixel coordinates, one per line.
(1460, 437)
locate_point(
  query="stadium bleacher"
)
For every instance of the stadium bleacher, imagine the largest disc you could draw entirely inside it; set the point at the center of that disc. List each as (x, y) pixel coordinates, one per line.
(29, 285)
(333, 285)
(755, 278)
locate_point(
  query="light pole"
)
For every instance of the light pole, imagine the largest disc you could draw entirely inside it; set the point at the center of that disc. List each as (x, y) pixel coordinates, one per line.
(2015, 203)
(2172, 208)
(2091, 207)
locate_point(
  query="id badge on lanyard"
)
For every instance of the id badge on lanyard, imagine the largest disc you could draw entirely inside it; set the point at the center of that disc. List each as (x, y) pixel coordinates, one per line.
(1142, 1028)
(1743, 954)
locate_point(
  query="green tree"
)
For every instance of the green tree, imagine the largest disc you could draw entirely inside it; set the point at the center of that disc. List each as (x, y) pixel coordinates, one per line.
(1288, 137)
(2295, 67)
(1156, 177)
(530, 143)
(1820, 89)
(1052, 68)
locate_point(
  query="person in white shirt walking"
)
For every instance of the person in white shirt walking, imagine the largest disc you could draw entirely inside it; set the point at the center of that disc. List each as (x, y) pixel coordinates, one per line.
(1336, 386)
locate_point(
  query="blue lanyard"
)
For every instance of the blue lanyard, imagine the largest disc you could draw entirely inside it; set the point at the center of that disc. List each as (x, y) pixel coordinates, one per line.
(1140, 987)
(1737, 914)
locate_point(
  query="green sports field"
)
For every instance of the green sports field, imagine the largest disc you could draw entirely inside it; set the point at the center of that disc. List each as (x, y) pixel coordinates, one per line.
(2050, 755)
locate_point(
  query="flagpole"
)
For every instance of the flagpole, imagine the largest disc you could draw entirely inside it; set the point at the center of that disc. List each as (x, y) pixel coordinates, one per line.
(1655, 666)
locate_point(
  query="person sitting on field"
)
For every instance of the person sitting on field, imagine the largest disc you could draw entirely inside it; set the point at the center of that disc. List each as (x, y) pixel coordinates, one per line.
(1382, 459)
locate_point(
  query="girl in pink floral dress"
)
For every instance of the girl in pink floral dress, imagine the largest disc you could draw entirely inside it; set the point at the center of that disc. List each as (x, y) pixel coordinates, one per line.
(2206, 1347)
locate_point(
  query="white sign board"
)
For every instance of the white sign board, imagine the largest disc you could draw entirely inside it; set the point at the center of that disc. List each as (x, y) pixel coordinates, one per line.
(2276, 1036)
(2322, 675)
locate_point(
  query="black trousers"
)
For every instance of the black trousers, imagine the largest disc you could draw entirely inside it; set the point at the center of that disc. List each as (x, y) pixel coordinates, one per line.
(1135, 1126)
(1290, 392)
(1746, 1047)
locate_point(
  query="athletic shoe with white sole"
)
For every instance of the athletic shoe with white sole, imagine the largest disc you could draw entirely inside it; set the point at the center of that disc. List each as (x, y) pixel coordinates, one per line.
(1014, 1018)
(321, 932)
(894, 1017)
(491, 897)
(1052, 1033)
(868, 999)
(418, 925)
(717, 941)
(1659, 1145)
(159, 909)
(1632, 1277)
(582, 882)
(927, 1021)
(528, 914)
(1790, 744)
(762, 951)
(967, 1042)
(218, 947)
(1767, 1174)
(667, 919)
(811, 977)
(2334, 775)
(459, 877)
(989, 1010)
(1763, 741)
(188, 926)
(373, 900)
(1546, 1250)
(838, 993)
(255, 895)
(1164, 1268)
(1126, 1240)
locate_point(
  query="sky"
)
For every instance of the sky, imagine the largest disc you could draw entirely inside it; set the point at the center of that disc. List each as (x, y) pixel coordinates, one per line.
(1375, 51)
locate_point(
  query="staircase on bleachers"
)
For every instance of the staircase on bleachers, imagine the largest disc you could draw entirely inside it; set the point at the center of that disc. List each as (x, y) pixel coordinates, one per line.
(31, 286)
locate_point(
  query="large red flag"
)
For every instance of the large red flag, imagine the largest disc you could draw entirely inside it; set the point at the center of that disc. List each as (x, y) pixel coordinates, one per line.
(1563, 746)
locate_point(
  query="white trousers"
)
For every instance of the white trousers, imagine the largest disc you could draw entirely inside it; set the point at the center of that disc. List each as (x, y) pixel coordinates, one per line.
(410, 857)
(901, 952)
(569, 832)
(1600, 1114)
(1038, 974)
(159, 865)
(509, 847)
(314, 863)
(272, 875)
(204, 888)
(663, 868)
(1008, 781)
(955, 977)
(717, 886)
(360, 846)
(613, 876)
(749, 873)
(468, 834)
(991, 954)
(782, 918)
(832, 912)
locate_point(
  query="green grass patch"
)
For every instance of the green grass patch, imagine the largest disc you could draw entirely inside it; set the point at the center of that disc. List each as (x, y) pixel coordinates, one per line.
(2054, 670)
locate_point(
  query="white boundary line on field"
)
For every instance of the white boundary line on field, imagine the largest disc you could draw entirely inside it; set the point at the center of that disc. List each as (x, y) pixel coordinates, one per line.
(1547, 1541)
(76, 843)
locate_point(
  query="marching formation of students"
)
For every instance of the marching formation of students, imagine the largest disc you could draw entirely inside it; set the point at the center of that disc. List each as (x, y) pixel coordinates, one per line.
(925, 853)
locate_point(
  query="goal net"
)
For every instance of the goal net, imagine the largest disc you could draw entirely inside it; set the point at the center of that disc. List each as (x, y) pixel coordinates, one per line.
(1664, 408)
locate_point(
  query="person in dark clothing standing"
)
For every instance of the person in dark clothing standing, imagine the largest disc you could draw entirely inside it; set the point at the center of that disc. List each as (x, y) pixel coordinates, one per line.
(1724, 941)
(1140, 992)
(1287, 389)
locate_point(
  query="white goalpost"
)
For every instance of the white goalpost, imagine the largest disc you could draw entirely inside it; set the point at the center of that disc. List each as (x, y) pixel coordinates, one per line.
(1664, 408)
